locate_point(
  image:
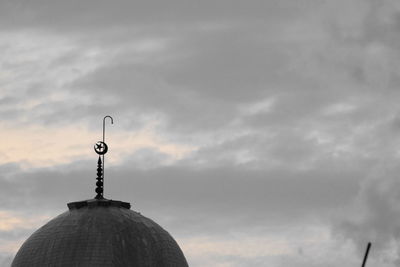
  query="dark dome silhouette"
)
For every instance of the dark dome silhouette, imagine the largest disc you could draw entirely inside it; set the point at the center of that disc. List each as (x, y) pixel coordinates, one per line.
(100, 232)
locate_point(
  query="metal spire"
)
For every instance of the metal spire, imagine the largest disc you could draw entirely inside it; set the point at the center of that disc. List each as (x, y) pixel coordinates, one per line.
(101, 148)
(99, 189)
(366, 254)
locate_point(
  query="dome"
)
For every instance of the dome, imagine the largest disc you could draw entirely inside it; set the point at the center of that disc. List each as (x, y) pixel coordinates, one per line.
(100, 232)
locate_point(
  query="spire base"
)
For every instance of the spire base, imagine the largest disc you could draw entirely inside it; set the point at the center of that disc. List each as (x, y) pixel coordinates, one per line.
(92, 203)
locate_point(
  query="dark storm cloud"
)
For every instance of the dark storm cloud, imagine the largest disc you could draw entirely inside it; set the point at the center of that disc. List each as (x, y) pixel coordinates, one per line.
(205, 77)
(91, 15)
(223, 55)
(246, 54)
(374, 216)
(290, 103)
(206, 73)
(216, 56)
(221, 198)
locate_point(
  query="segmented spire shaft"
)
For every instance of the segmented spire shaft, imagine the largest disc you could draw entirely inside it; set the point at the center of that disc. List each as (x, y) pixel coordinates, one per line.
(99, 183)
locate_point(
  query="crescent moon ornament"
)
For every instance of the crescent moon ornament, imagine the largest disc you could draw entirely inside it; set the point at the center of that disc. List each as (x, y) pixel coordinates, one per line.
(101, 148)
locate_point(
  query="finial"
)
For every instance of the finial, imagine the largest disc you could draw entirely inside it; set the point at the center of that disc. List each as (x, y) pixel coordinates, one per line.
(101, 148)
(99, 183)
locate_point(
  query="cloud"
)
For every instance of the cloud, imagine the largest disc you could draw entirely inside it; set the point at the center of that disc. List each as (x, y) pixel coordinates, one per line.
(244, 203)
(193, 76)
(6, 260)
(233, 197)
(99, 14)
(373, 217)
(231, 116)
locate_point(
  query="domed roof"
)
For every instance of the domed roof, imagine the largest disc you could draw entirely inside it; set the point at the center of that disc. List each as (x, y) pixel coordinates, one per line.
(98, 233)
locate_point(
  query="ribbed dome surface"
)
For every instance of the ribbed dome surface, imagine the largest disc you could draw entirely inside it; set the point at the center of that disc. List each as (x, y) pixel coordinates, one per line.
(100, 233)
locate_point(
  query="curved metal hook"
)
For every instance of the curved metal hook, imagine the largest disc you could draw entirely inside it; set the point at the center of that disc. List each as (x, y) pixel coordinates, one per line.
(100, 195)
(104, 125)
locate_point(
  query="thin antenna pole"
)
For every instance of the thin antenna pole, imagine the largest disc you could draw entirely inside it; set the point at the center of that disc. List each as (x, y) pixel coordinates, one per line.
(104, 125)
(366, 254)
(104, 136)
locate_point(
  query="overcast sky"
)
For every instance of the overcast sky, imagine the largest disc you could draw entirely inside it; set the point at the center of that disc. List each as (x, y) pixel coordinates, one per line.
(258, 133)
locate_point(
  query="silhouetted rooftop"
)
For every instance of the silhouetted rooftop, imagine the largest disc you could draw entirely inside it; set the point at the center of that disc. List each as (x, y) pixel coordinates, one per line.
(100, 233)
